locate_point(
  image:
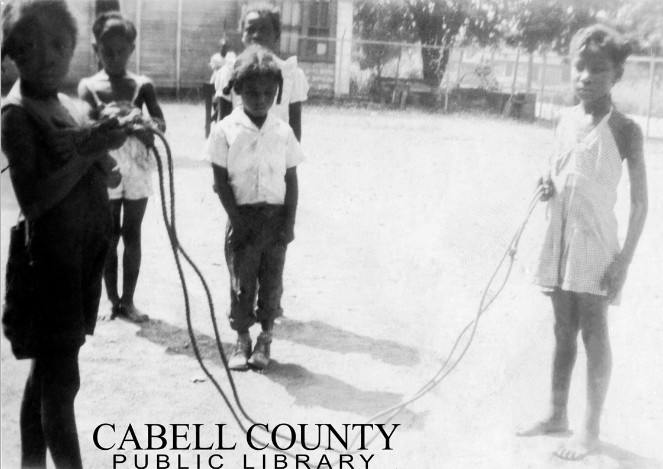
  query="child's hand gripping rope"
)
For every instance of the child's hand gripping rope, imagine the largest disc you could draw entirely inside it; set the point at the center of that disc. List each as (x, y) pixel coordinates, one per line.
(546, 186)
(69, 141)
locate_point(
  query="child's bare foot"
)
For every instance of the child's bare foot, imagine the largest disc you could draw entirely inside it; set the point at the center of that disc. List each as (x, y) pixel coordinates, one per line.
(545, 427)
(109, 315)
(131, 313)
(577, 448)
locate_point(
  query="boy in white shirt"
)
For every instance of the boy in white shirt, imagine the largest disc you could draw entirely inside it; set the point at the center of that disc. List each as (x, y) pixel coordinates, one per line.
(254, 158)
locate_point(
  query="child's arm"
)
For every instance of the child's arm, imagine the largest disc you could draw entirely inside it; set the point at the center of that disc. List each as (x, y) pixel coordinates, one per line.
(291, 199)
(545, 180)
(614, 278)
(35, 192)
(150, 99)
(295, 119)
(299, 94)
(294, 156)
(86, 141)
(225, 192)
(85, 95)
(223, 189)
(223, 101)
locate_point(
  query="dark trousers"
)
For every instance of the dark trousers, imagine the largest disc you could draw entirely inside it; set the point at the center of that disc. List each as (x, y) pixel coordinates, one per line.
(255, 255)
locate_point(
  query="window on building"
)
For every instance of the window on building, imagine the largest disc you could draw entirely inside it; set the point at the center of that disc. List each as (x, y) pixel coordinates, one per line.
(291, 25)
(318, 27)
(307, 27)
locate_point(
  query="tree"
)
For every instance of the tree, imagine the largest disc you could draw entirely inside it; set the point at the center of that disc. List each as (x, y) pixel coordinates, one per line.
(542, 25)
(440, 24)
(643, 21)
(383, 21)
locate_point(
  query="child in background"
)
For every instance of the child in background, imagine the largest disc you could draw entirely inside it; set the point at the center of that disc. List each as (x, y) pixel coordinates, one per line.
(216, 62)
(59, 171)
(218, 59)
(261, 25)
(114, 91)
(582, 265)
(254, 158)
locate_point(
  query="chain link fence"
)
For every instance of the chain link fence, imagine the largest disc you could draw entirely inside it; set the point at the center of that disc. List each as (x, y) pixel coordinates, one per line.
(492, 80)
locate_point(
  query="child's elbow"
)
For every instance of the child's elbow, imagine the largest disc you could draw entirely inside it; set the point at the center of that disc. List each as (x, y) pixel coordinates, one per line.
(640, 206)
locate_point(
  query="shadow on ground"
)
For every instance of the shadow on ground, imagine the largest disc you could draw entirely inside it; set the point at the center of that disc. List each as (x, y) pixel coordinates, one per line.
(625, 459)
(309, 389)
(322, 336)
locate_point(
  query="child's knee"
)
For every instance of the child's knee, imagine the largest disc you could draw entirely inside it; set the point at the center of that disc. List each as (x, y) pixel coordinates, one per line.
(131, 235)
(595, 335)
(566, 332)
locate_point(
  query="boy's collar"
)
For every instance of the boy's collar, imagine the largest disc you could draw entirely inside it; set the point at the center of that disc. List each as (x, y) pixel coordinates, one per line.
(243, 119)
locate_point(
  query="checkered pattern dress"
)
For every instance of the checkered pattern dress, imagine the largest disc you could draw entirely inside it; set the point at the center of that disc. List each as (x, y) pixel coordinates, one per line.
(581, 238)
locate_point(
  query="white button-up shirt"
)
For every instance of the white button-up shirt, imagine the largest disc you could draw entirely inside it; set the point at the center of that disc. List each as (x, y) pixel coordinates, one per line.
(256, 159)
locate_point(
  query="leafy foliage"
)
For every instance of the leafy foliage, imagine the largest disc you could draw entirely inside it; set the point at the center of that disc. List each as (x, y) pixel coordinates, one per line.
(642, 20)
(440, 24)
(534, 25)
(541, 25)
(379, 20)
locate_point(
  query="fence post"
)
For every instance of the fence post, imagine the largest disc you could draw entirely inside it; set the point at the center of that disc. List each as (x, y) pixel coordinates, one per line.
(446, 88)
(398, 62)
(460, 64)
(178, 51)
(139, 24)
(543, 83)
(652, 69)
(530, 71)
(338, 82)
(515, 72)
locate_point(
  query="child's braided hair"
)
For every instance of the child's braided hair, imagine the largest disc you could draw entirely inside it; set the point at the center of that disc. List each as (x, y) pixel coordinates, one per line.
(602, 37)
(256, 61)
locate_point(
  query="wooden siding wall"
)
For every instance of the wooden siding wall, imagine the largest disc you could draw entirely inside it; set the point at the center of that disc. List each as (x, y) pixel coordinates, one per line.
(203, 23)
(202, 27)
(84, 62)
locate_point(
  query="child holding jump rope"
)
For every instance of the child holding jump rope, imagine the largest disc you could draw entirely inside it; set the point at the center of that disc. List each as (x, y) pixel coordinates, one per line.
(254, 158)
(114, 91)
(59, 170)
(261, 25)
(582, 265)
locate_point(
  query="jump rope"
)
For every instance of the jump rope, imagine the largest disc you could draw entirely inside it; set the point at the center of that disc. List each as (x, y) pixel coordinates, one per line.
(454, 357)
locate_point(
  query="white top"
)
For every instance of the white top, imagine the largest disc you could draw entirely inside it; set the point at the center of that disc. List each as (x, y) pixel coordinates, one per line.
(256, 159)
(295, 87)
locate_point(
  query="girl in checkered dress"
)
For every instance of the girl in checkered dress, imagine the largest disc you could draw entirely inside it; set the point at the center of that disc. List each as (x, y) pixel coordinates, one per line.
(582, 265)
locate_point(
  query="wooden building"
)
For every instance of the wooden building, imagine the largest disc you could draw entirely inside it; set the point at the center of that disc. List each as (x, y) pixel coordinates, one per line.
(176, 39)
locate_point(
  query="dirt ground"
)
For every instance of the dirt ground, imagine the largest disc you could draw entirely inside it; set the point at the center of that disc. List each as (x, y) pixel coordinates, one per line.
(403, 217)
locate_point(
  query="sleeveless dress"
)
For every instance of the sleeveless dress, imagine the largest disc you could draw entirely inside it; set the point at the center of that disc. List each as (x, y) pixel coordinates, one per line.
(70, 240)
(133, 160)
(581, 239)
